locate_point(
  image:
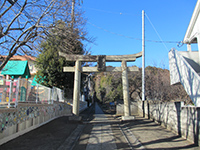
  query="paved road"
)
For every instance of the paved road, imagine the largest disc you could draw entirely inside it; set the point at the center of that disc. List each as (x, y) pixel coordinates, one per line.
(101, 136)
(109, 133)
(99, 131)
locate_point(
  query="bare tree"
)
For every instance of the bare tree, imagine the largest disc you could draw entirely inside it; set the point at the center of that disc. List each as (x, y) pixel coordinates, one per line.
(23, 23)
(135, 82)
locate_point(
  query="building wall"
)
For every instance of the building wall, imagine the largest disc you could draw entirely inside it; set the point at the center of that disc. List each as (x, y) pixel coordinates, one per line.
(181, 71)
(196, 28)
(32, 67)
(192, 58)
(193, 28)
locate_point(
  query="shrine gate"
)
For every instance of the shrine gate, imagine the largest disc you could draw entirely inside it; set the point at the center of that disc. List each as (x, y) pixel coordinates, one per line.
(101, 67)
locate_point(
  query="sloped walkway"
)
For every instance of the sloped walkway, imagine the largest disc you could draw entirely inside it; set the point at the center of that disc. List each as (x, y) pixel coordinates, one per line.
(100, 132)
(154, 136)
(101, 136)
(109, 133)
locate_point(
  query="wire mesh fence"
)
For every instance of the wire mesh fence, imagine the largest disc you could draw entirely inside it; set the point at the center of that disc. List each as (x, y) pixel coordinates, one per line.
(22, 90)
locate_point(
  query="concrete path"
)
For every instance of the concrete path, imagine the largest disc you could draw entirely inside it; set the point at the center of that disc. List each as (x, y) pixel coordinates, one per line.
(154, 136)
(99, 132)
(101, 137)
(140, 133)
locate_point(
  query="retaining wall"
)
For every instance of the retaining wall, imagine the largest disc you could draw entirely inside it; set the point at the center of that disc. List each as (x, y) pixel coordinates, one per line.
(26, 117)
(120, 108)
(173, 115)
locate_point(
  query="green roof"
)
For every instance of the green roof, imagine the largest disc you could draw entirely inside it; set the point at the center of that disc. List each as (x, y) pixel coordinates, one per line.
(16, 69)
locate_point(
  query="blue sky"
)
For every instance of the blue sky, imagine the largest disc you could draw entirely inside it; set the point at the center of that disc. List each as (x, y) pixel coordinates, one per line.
(113, 22)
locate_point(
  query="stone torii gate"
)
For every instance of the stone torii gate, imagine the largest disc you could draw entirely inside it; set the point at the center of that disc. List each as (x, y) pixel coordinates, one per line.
(101, 67)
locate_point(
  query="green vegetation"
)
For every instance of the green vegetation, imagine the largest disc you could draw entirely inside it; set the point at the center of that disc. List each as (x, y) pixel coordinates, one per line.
(108, 86)
(50, 64)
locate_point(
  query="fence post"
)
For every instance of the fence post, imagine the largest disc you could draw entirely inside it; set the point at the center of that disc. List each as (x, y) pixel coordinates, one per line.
(37, 94)
(60, 95)
(52, 94)
(49, 96)
(10, 92)
(17, 92)
(4, 90)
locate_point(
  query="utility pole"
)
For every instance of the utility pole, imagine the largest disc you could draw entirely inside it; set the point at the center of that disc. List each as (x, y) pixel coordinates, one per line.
(72, 15)
(143, 56)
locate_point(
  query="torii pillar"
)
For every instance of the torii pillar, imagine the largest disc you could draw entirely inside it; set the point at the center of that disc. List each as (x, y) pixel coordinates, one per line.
(101, 67)
(127, 110)
(77, 85)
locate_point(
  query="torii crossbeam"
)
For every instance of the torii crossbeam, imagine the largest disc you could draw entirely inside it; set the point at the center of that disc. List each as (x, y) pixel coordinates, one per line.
(101, 67)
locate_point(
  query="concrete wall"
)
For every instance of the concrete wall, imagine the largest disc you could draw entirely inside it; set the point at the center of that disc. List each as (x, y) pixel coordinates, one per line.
(26, 117)
(192, 58)
(182, 72)
(182, 120)
(120, 108)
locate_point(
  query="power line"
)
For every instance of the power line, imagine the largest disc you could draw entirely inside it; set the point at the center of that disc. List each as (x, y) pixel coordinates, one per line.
(111, 12)
(156, 31)
(179, 43)
(129, 37)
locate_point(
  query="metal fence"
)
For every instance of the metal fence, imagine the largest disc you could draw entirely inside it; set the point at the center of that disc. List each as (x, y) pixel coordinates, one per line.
(22, 90)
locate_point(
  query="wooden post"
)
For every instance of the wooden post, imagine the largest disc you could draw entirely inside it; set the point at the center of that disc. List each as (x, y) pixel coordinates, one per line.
(77, 82)
(125, 89)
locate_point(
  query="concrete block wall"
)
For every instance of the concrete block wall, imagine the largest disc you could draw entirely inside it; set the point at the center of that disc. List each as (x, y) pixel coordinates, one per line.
(26, 117)
(173, 115)
(120, 108)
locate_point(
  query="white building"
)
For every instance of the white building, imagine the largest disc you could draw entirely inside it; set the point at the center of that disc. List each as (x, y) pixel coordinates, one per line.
(185, 65)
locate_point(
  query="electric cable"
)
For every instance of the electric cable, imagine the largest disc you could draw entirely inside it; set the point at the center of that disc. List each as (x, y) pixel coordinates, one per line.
(114, 33)
(156, 31)
(110, 12)
(179, 43)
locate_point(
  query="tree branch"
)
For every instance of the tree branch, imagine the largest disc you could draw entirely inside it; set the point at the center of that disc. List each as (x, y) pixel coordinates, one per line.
(22, 8)
(3, 13)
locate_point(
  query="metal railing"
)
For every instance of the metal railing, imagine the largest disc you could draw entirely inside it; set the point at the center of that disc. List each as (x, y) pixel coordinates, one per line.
(21, 90)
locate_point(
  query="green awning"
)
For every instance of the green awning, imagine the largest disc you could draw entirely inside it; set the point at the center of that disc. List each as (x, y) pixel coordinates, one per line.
(16, 69)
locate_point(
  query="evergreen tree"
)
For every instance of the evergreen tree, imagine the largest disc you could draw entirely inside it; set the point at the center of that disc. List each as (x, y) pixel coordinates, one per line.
(50, 64)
